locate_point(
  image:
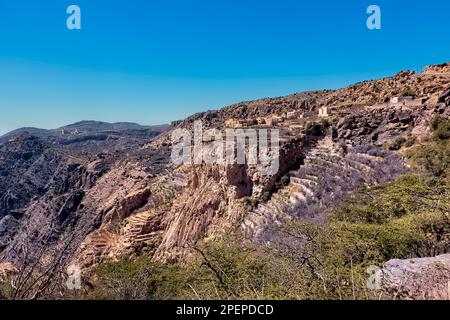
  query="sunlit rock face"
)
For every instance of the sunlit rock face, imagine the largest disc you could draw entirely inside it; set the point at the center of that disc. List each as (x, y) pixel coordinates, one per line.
(417, 279)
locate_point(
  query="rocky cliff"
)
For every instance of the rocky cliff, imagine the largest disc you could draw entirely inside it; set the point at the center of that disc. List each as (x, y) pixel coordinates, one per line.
(129, 201)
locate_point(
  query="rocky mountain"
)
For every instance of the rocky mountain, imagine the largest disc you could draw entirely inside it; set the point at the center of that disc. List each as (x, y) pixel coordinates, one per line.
(92, 136)
(94, 192)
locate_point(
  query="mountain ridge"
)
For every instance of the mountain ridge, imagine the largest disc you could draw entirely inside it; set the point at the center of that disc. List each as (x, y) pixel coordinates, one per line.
(88, 125)
(92, 136)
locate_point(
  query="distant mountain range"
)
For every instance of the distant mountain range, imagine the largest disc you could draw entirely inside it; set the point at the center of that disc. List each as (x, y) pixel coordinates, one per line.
(92, 136)
(85, 126)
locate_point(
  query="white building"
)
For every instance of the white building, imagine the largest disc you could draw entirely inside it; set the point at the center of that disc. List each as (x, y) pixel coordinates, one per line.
(401, 99)
(323, 112)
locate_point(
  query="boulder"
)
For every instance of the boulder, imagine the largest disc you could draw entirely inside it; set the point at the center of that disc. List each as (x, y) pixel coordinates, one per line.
(445, 97)
(418, 279)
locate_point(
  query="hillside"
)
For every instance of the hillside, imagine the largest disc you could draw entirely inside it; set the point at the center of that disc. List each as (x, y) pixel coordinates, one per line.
(132, 202)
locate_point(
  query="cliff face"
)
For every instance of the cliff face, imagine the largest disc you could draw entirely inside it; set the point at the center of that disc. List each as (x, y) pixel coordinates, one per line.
(135, 200)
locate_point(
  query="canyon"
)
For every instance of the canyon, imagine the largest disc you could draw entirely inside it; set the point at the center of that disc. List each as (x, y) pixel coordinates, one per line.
(95, 197)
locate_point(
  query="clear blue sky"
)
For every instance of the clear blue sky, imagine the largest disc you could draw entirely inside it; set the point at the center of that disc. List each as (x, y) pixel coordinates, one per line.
(153, 61)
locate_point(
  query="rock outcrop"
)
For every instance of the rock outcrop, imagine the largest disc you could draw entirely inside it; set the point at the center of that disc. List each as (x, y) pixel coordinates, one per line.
(417, 279)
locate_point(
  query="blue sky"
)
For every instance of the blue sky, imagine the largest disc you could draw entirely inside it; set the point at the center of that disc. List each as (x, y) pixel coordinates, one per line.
(153, 61)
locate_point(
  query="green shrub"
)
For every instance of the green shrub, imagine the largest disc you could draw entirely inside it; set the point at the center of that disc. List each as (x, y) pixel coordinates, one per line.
(231, 269)
(397, 144)
(441, 128)
(266, 196)
(408, 93)
(139, 279)
(381, 204)
(431, 159)
(285, 180)
(410, 141)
